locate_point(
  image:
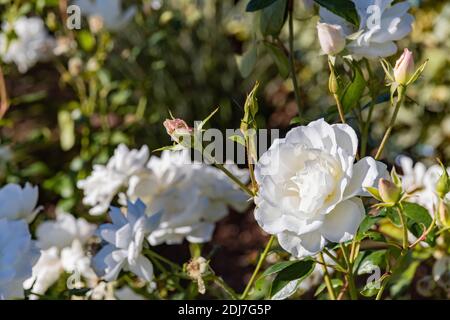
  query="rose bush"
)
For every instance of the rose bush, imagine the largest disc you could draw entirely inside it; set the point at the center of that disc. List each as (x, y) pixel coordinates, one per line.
(113, 178)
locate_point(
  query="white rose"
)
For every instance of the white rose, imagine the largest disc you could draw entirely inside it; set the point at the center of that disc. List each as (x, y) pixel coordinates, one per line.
(63, 231)
(193, 197)
(331, 38)
(125, 237)
(18, 254)
(308, 187)
(420, 182)
(106, 180)
(380, 25)
(45, 273)
(19, 203)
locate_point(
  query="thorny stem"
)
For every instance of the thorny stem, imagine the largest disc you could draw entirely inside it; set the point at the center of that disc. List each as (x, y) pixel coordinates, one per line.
(291, 57)
(326, 277)
(258, 267)
(400, 98)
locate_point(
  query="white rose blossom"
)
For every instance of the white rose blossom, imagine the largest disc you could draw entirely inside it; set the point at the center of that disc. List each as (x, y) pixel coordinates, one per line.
(18, 254)
(420, 182)
(193, 196)
(45, 273)
(380, 24)
(31, 44)
(309, 187)
(19, 203)
(61, 241)
(106, 180)
(110, 11)
(125, 237)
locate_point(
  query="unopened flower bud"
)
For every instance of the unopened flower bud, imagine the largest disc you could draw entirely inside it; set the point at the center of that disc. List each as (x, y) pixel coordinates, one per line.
(331, 38)
(443, 185)
(333, 84)
(389, 192)
(177, 129)
(404, 67)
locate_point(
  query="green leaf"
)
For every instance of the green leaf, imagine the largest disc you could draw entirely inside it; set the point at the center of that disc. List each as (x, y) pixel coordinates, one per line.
(404, 279)
(367, 223)
(354, 90)
(376, 259)
(392, 214)
(335, 283)
(255, 5)
(298, 270)
(279, 58)
(371, 289)
(417, 213)
(247, 61)
(277, 267)
(343, 8)
(419, 220)
(272, 18)
(375, 236)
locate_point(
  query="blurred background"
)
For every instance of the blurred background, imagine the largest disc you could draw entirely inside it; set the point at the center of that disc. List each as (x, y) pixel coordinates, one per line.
(105, 87)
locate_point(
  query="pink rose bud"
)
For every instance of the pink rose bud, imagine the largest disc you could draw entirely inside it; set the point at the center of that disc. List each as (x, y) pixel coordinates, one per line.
(331, 38)
(177, 128)
(404, 67)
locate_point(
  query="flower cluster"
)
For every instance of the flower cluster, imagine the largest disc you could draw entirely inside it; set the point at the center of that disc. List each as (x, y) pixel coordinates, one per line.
(192, 196)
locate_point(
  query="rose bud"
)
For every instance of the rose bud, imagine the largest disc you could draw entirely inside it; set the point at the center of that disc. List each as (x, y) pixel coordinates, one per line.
(404, 67)
(389, 192)
(331, 38)
(177, 129)
(443, 185)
